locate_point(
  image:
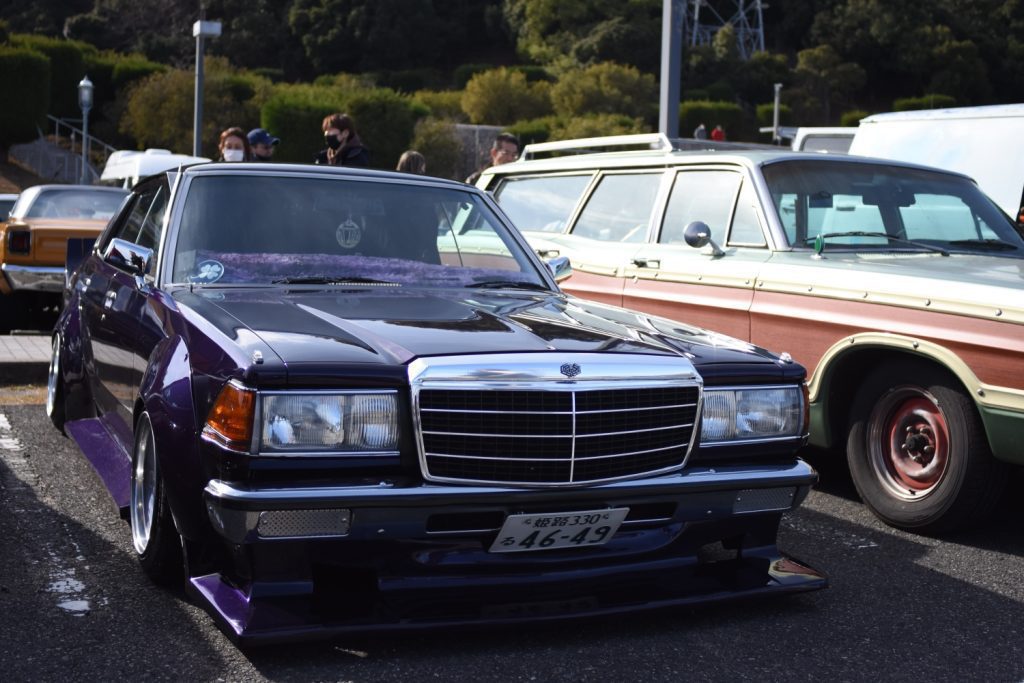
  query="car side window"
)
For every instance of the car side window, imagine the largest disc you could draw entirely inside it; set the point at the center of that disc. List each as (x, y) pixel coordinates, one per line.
(707, 196)
(132, 224)
(543, 204)
(746, 229)
(619, 209)
(152, 224)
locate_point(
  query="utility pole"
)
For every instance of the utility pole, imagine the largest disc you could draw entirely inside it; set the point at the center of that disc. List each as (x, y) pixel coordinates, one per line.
(201, 29)
(671, 66)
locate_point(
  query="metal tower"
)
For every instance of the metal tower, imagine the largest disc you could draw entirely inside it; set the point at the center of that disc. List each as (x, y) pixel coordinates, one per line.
(704, 19)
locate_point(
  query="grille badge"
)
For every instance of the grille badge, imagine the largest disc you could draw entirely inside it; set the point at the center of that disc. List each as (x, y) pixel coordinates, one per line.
(570, 369)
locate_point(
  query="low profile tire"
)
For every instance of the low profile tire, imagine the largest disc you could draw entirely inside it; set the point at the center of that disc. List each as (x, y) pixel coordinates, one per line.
(55, 391)
(154, 536)
(917, 450)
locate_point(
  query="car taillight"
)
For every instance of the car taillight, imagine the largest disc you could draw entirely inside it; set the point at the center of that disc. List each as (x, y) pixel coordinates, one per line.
(19, 241)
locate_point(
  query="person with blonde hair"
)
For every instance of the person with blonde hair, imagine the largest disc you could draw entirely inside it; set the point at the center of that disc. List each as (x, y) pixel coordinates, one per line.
(412, 161)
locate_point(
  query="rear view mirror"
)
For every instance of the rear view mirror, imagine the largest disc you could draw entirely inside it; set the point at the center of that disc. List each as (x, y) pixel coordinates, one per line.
(560, 267)
(128, 256)
(698, 235)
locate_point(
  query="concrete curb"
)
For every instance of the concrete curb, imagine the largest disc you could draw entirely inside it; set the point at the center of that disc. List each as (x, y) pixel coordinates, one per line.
(24, 358)
(23, 373)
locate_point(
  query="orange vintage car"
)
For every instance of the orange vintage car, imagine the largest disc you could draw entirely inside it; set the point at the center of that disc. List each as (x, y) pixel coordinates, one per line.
(33, 243)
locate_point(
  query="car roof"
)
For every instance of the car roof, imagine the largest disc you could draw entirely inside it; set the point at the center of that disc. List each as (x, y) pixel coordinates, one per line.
(281, 169)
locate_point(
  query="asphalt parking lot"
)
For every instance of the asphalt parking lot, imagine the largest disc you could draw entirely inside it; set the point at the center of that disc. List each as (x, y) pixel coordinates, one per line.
(900, 606)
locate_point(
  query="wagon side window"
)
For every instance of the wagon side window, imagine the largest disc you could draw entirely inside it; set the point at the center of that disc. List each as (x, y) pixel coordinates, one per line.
(746, 229)
(619, 209)
(707, 196)
(544, 203)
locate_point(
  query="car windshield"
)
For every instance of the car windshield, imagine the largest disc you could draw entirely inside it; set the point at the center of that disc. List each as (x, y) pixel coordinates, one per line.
(77, 203)
(877, 207)
(260, 229)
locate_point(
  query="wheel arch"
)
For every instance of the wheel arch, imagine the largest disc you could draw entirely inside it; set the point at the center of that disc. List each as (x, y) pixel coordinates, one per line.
(840, 370)
(166, 394)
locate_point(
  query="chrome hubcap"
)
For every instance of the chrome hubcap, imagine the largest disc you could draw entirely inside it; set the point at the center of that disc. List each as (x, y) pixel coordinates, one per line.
(53, 377)
(143, 486)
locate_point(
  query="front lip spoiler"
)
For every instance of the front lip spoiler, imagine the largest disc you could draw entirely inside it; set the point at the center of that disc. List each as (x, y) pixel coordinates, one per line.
(702, 493)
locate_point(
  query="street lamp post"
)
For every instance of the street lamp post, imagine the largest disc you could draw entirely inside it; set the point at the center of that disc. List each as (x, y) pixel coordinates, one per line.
(85, 102)
(201, 29)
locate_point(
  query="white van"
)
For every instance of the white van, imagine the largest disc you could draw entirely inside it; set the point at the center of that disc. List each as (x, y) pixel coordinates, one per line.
(124, 168)
(981, 142)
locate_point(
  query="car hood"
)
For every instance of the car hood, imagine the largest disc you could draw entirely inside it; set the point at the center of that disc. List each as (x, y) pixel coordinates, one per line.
(387, 326)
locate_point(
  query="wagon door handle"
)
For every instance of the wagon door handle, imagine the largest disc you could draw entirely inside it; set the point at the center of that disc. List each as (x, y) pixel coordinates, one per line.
(109, 299)
(641, 262)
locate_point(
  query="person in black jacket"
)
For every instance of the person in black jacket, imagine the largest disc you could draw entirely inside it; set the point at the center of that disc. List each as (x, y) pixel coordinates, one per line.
(343, 146)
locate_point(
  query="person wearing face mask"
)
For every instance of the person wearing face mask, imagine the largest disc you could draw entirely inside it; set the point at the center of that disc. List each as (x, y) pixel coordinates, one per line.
(234, 145)
(343, 146)
(262, 144)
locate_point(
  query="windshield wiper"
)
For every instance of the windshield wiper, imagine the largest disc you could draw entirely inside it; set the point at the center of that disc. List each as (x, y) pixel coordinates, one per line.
(864, 233)
(509, 284)
(993, 244)
(325, 280)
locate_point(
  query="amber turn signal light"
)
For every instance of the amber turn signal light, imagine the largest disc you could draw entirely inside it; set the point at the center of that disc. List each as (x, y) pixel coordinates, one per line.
(229, 422)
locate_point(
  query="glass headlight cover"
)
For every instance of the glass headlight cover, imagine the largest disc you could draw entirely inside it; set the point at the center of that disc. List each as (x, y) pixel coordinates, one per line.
(752, 413)
(355, 422)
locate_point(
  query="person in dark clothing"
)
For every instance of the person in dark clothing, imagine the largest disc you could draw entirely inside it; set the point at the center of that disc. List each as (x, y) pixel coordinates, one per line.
(344, 148)
(504, 149)
(262, 144)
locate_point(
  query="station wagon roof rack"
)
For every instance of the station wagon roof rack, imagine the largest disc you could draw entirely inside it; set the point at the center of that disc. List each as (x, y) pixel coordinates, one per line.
(644, 142)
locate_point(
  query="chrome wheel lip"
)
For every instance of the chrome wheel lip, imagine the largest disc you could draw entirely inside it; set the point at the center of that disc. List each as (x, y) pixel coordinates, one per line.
(52, 377)
(143, 500)
(893, 471)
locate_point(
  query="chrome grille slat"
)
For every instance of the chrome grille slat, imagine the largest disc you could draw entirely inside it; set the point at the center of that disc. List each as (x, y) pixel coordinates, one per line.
(519, 419)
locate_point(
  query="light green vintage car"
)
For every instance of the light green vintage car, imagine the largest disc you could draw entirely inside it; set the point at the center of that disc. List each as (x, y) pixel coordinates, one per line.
(900, 287)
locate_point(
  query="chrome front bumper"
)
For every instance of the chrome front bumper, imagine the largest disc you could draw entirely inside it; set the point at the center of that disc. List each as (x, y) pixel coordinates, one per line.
(34, 278)
(387, 511)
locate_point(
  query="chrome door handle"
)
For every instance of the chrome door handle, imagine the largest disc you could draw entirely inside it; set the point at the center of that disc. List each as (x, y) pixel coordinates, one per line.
(108, 300)
(641, 262)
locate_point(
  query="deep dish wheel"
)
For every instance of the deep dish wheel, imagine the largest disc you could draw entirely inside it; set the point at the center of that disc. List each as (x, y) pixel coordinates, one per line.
(154, 536)
(917, 449)
(55, 391)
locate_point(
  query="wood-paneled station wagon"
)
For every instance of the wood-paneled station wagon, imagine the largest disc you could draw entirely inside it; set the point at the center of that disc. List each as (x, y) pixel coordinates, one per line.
(900, 287)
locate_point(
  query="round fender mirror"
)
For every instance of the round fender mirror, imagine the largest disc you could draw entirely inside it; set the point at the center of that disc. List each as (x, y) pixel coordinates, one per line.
(697, 234)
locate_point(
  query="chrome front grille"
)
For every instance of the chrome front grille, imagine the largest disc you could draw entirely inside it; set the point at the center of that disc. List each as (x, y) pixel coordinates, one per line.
(510, 426)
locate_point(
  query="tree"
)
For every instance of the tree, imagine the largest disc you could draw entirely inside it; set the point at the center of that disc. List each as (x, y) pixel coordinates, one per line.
(606, 88)
(503, 96)
(26, 78)
(826, 78)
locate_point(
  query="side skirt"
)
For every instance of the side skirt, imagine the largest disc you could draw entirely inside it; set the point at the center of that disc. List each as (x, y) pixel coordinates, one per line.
(106, 457)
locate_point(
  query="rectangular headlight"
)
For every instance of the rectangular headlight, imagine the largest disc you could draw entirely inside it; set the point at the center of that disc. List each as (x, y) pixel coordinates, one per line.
(751, 413)
(352, 422)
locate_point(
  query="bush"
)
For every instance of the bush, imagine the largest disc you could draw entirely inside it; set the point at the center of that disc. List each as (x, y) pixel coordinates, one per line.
(67, 68)
(934, 101)
(853, 117)
(464, 73)
(606, 88)
(26, 78)
(502, 96)
(598, 125)
(294, 113)
(534, 130)
(436, 140)
(765, 114)
(728, 115)
(446, 104)
(410, 80)
(385, 121)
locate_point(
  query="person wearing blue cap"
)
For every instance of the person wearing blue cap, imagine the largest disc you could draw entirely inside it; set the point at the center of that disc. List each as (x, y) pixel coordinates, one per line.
(262, 144)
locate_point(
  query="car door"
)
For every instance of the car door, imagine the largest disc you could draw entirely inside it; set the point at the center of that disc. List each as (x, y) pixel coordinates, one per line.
(667, 277)
(109, 313)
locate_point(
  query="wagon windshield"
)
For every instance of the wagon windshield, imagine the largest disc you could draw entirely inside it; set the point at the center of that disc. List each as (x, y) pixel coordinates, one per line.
(874, 207)
(259, 229)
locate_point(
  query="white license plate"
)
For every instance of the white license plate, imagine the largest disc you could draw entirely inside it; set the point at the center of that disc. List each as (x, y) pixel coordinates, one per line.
(521, 533)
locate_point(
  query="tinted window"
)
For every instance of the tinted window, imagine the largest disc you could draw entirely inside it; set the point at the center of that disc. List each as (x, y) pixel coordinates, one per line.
(706, 196)
(260, 229)
(544, 204)
(889, 203)
(619, 209)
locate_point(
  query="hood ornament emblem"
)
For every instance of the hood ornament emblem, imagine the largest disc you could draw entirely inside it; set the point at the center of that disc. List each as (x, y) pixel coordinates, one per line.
(570, 369)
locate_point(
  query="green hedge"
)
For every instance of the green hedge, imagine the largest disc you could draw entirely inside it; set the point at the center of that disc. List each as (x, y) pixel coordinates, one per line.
(67, 68)
(385, 121)
(853, 117)
(437, 141)
(729, 115)
(935, 101)
(294, 113)
(26, 78)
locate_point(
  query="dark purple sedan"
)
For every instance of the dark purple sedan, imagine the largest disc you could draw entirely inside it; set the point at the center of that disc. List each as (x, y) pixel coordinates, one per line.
(335, 400)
